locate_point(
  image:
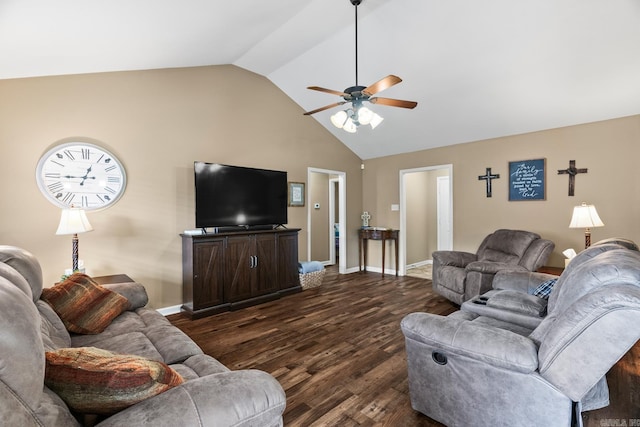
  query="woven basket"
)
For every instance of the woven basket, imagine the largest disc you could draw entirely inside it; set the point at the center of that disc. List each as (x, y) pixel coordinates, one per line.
(312, 279)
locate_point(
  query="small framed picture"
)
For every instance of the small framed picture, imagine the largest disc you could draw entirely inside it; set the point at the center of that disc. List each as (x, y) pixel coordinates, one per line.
(296, 194)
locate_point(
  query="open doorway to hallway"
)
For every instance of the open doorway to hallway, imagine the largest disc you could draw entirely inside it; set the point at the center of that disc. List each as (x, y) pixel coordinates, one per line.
(326, 217)
(426, 217)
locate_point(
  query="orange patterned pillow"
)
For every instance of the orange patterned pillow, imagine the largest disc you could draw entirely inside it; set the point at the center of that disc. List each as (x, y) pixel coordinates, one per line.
(95, 381)
(84, 306)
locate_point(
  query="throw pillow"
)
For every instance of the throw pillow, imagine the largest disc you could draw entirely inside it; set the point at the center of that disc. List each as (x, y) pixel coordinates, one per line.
(544, 289)
(96, 381)
(84, 306)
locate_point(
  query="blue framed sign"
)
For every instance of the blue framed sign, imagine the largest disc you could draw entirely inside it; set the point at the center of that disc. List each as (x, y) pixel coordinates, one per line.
(527, 180)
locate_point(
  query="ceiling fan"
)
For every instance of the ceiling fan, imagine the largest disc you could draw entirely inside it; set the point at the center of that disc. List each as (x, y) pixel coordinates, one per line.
(351, 118)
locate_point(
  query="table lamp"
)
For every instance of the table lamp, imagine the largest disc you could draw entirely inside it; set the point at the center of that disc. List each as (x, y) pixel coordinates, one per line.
(74, 221)
(585, 216)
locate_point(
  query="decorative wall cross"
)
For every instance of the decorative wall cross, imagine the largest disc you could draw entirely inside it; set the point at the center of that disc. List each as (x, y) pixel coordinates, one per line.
(572, 171)
(488, 177)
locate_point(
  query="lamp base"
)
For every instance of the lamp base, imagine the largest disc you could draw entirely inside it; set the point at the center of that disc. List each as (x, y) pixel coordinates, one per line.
(587, 238)
(70, 271)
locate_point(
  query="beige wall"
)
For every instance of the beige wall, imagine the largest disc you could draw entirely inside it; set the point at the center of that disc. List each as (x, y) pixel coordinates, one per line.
(158, 122)
(609, 149)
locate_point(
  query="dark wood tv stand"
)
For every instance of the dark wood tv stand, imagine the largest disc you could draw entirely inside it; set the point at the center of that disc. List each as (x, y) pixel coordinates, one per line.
(231, 270)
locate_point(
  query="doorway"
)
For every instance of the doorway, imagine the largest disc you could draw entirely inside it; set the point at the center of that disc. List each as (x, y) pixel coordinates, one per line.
(326, 217)
(426, 214)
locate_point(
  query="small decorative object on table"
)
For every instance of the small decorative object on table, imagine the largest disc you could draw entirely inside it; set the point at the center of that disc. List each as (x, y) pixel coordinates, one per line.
(365, 219)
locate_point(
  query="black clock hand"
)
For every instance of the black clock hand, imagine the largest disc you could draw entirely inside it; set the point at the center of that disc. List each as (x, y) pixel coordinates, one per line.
(86, 175)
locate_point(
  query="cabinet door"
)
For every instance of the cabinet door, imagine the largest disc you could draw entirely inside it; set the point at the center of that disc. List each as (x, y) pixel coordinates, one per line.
(238, 268)
(288, 276)
(208, 274)
(265, 268)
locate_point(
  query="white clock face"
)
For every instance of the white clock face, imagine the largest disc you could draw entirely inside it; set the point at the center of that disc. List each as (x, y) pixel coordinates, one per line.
(80, 175)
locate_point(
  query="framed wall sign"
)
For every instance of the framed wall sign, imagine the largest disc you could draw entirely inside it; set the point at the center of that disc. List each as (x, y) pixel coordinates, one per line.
(296, 194)
(527, 180)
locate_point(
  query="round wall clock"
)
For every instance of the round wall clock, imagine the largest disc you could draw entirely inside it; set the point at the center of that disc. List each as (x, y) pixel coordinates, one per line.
(81, 175)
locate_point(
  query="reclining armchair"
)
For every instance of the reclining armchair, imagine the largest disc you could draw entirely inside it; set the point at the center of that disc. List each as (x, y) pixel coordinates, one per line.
(466, 369)
(459, 276)
(524, 298)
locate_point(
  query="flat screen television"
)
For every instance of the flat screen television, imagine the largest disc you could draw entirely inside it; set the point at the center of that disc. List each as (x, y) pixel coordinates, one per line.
(239, 196)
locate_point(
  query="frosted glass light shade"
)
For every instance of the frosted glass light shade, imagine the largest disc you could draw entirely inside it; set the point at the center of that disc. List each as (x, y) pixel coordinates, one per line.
(339, 119)
(350, 126)
(365, 115)
(375, 120)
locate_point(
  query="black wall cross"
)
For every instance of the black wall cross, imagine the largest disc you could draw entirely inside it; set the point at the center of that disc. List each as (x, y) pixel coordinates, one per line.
(488, 177)
(572, 171)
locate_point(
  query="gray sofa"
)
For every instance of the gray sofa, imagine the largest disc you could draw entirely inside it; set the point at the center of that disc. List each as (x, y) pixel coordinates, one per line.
(459, 276)
(211, 395)
(480, 368)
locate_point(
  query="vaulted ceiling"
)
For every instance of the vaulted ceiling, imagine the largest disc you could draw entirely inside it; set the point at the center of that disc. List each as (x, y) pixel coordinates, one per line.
(478, 69)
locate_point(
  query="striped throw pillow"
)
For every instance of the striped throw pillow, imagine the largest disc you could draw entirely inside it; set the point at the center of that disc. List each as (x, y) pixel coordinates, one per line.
(84, 306)
(96, 381)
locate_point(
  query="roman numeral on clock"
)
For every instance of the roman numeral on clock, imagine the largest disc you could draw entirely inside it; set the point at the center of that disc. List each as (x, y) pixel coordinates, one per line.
(56, 186)
(68, 198)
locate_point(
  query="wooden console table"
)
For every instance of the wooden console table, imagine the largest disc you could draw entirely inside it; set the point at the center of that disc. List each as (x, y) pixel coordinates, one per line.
(366, 234)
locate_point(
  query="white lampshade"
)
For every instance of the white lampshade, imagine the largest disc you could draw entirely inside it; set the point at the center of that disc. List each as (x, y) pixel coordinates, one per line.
(365, 115)
(73, 221)
(375, 120)
(350, 126)
(585, 216)
(339, 119)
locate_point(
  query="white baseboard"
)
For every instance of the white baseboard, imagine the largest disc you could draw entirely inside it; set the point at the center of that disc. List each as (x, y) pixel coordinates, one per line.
(420, 263)
(166, 311)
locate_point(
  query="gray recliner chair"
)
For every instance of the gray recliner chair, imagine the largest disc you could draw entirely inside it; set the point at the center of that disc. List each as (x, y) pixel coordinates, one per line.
(466, 369)
(459, 276)
(513, 298)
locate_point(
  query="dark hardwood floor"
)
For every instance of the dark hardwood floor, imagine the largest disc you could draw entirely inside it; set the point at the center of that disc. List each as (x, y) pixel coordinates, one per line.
(339, 353)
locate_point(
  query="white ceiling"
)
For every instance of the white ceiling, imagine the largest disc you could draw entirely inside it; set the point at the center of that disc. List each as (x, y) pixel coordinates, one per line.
(478, 69)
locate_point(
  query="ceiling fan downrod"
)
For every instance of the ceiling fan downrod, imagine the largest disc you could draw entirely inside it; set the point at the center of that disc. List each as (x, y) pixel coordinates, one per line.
(356, 3)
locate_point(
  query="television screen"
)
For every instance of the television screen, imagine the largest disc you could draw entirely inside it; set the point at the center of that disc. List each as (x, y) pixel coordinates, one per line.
(233, 195)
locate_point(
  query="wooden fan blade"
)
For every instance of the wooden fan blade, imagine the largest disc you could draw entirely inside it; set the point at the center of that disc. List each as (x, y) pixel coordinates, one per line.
(393, 102)
(326, 107)
(382, 84)
(321, 89)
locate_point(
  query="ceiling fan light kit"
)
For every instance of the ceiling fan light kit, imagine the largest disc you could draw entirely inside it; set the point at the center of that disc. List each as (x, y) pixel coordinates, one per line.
(357, 114)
